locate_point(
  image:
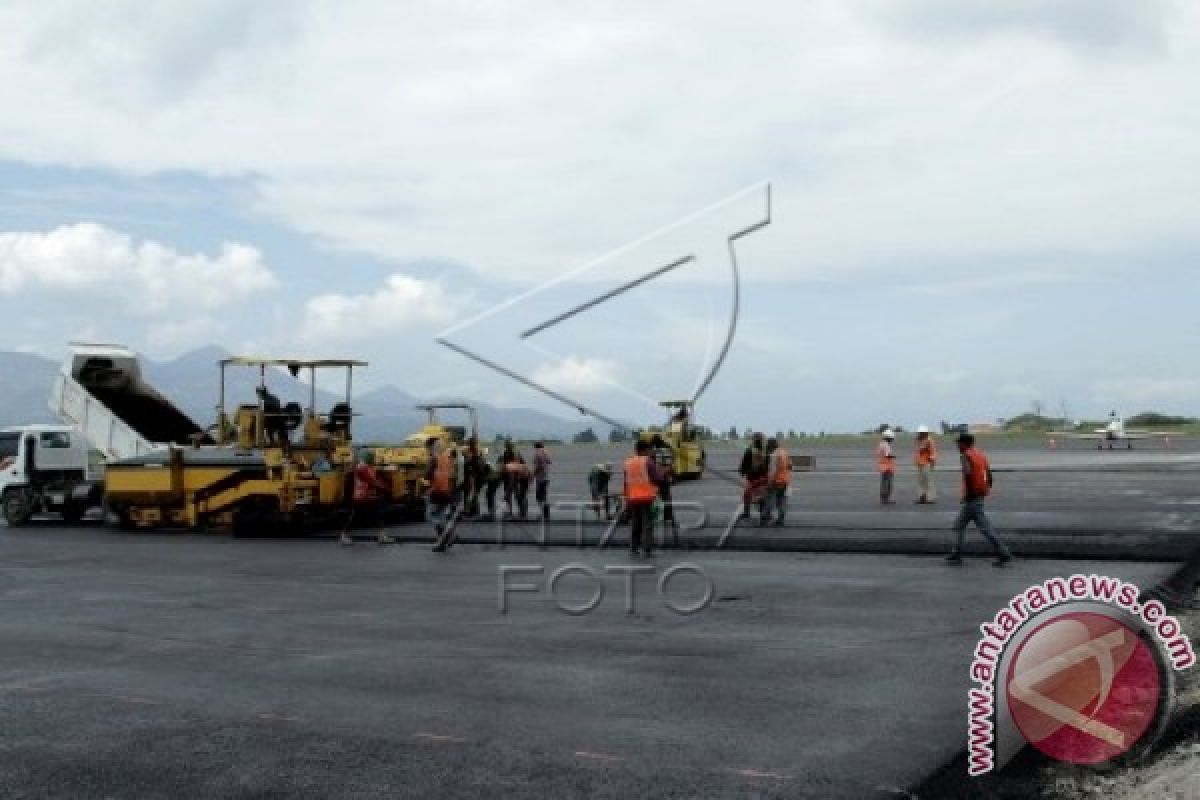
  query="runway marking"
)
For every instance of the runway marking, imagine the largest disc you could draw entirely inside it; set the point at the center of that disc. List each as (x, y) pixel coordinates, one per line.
(440, 737)
(598, 756)
(753, 773)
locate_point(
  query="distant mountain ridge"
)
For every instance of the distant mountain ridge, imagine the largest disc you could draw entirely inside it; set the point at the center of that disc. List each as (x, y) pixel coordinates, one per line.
(387, 413)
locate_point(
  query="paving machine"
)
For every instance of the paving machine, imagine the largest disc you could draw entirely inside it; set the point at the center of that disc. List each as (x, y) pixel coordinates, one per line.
(272, 465)
(680, 435)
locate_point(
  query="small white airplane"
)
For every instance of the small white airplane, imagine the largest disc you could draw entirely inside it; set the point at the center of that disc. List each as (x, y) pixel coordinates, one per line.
(1114, 431)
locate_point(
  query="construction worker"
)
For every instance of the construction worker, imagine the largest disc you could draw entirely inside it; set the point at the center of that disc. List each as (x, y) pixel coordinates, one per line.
(524, 476)
(753, 470)
(598, 479)
(475, 472)
(442, 477)
(664, 460)
(508, 459)
(976, 485)
(925, 457)
(370, 497)
(779, 479)
(274, 425)
(885, 457)
(641, 490)
(493, 480)
(541, 478)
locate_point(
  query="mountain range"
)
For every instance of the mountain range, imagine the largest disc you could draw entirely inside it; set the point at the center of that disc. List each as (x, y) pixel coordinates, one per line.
(385, 414)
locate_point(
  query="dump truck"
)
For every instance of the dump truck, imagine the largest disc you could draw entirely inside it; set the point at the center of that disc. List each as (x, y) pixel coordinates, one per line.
(47, 469)
(100, 392)
(680, 436)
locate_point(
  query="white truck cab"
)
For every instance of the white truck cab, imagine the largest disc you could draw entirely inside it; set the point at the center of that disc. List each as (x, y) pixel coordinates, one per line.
(45, 468)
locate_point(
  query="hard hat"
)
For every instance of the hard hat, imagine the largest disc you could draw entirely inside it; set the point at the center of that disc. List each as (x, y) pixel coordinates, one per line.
(922, 429)
(889, 434)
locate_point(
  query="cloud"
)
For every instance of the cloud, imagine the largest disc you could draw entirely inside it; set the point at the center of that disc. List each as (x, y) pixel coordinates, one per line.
(1090, 24)
(522, 139)
(402, 302)
(578, 374)
(1140, 393)
(146, 278)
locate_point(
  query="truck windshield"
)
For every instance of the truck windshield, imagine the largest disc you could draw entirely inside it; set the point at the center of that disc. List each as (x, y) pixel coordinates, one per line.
(8, 444)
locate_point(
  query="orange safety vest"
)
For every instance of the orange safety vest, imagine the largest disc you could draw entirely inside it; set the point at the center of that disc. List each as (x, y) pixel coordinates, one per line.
(886, 457)
(365, 480)
(926, 453)
(638, 488)
(781, 468)
(976, 485)
(443, 474)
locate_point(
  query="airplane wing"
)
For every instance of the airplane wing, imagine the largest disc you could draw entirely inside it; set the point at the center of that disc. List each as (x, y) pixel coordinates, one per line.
(1146, 434)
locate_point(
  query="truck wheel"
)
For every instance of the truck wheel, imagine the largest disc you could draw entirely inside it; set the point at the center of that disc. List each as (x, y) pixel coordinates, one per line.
(72, 513)
(18, 508)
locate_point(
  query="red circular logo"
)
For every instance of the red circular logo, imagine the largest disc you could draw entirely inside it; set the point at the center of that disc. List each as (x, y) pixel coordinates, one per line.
(1084, 687)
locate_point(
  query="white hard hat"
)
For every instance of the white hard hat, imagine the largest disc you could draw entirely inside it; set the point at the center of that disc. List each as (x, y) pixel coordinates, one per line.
(922, 429)
(889, 434)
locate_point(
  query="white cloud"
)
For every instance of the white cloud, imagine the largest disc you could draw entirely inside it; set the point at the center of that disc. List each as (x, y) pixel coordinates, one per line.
(1134, 393)
(402, 302)
(578, 374)
(524, 137)
(148, 278)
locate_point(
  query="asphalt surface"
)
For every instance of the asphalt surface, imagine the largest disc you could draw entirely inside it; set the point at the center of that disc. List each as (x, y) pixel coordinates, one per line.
(1070, 502)
(185, 665)
(167, 666)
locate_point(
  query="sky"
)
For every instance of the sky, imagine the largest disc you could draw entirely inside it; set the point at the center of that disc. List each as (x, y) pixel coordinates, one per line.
(974, 207)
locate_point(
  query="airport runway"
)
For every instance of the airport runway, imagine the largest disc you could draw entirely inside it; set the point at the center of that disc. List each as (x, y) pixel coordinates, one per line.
(1076, 502)
(178, 665)
(172, 666)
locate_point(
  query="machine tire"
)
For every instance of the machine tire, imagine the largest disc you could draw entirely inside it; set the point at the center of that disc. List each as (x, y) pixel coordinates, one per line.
(18, 507)
(72, 513)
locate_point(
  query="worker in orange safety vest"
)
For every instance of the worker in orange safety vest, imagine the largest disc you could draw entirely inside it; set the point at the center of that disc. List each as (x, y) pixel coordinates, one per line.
(925, 458)
(369, 499)
(442, 478)
(779, 479)
(976, 485)
(641, 490)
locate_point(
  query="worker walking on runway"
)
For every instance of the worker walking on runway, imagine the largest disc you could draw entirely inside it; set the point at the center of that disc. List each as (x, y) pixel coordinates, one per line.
(779, 480)
(541, 478)
(641, 490)
(753, 470)
(440, 507)
(976, 485)
(925, 457)
(885, 458)
(369, 499)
